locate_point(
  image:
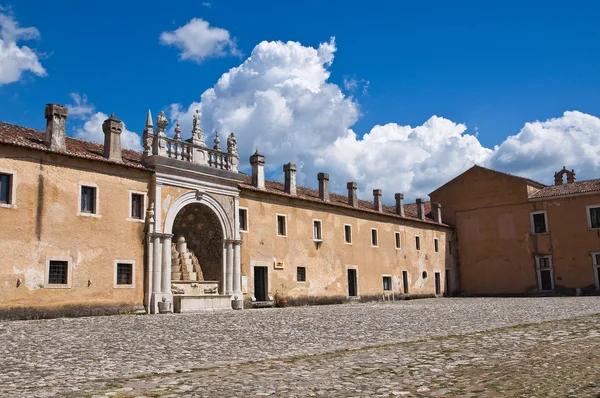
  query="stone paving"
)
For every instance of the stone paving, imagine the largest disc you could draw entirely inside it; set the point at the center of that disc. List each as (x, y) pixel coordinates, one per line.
(434, 347)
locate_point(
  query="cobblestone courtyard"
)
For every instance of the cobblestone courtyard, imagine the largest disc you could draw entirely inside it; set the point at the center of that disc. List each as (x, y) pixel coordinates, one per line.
(480, 347)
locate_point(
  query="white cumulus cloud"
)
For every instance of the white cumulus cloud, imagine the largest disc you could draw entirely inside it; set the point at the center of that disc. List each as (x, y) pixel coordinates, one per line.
(80, 109)
(15, 59)
(197, 41)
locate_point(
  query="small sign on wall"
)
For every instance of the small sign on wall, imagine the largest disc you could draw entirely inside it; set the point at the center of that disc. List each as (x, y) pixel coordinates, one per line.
(278, 264)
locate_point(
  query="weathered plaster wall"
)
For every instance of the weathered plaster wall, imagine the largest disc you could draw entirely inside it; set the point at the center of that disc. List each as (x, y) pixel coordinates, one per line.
(326, 264)
(44, 224)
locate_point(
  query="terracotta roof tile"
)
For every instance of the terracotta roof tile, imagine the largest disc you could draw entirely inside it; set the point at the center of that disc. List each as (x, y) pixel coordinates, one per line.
(580, 187)
(25, 137)
(277, 188)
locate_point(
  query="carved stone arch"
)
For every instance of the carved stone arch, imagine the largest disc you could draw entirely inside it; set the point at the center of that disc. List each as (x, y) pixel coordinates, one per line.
(198, 197)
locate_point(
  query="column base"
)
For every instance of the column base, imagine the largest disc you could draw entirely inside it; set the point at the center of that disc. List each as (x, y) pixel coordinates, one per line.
(160, 306)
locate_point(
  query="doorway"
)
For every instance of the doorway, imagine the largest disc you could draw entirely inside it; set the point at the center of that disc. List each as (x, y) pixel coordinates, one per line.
(261, 283)
(405, 281)
(438, 284)
(544, 273)
(352, 288)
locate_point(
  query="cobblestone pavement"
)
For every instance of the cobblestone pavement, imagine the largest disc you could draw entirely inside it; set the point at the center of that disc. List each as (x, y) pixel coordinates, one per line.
(434, 347)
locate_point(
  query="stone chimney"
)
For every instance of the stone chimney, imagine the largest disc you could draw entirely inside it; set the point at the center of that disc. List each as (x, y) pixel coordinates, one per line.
(420, 209)
(352, 198)
(399, 204)
(377, 205)
(290, 178)
(56, 127)
(258, 170)
(112, 128)
(436, 212)
(323, 186)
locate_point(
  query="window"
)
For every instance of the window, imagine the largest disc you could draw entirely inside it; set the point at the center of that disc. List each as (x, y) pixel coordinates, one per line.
(373, 237)
(58, 273)
(6, 189)
(317, 230)
(418, 242)
(301, 274)
(243, 213)
(88, 200)
(436, 245)
(596, 267)
(405, 281)
(397, 238)
(124, 274)
(281, 225)
(348, 233)
(387, 283)
(538, 222)
(593, 214)
(137, 206)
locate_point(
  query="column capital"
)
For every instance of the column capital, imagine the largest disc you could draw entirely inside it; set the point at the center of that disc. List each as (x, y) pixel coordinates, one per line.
(162, 235)
(236, 241)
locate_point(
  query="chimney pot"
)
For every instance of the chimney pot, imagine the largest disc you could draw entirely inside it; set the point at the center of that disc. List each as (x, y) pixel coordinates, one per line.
(112, 128)
(56, 127)
(399, 204)
(323, 186)
(377, 205)
(420, 209)
(290, 178)
(258, 170)
(436, 212)
(352, 198)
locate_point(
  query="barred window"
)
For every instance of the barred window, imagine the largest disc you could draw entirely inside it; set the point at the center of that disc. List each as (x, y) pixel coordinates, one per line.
(124, 274)
(301, 274)
(58, 272)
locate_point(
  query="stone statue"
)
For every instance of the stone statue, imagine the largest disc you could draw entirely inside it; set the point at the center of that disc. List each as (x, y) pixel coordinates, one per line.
(232, 144)
(197, 134)
(161, 123)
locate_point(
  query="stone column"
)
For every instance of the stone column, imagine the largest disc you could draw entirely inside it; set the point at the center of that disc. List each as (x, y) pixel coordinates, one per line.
(237, 269)
(224, 280)
(166, 264)
(229, 267)
(156, 264)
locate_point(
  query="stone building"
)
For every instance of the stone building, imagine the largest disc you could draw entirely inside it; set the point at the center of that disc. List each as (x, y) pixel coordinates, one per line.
(517, 236)
(89, 228)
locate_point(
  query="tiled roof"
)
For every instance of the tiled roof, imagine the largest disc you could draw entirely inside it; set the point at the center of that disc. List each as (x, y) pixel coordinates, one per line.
(277, 188)
(25, 137)
(580, 187)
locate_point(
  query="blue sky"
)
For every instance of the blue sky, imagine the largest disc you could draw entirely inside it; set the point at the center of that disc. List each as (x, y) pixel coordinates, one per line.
(489, 67)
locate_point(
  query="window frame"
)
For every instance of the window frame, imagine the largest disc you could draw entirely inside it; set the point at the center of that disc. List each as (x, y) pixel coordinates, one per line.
(596, 266)
(589, 216)
(284, 225)
(383, 278)
(298, 269)
(345, 236)
(320, 229)
(397, 240)
(67, 285)
(115, 280)
(418, 242)
(436, 245)
(143, 212)
(247, 226)
(96, 212)
(12, 189)
(376, 236)
(532, 222)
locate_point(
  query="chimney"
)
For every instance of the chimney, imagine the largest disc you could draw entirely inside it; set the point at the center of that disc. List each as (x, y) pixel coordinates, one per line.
(436, 212)
(112, 128)
(377, 205)
(56, 127)
(323, 186)
(571, 176)
(290, 178)
(258, 170)
(399, 204)
(558, 177)
(420, 209)
(352, 199)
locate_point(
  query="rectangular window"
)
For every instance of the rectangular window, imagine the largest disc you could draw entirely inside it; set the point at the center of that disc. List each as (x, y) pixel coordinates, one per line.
(373, 237)
(593, 217)
(387, 283)
(596, 267)
(405, 281)
(281, 225)
(301, 274)
(243, 220)
(397, 238)
(538, 222)
(88, 199)
(6, 189)
(418, 242)
(124, 274)
(317, 230)
(58, 273)
(348, 233)
(436, 245)
(137, 206)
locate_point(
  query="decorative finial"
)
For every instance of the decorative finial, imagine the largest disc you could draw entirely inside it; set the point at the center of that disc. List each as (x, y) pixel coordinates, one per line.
(177, 130)
(161, 123)
(217, 141)
(232, 144)
(149, 120)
